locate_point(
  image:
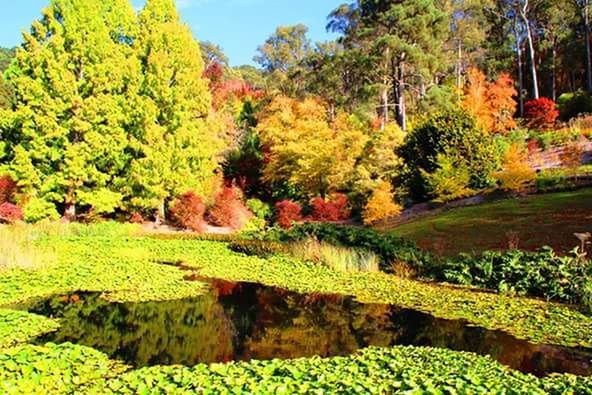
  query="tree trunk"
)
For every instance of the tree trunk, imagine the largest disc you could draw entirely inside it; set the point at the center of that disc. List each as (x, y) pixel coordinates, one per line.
(554, 71)
(70, 212)
(586, 15)
(533, 70)
(520, 74)
(161, 215)
(459, 71)
(399, 92)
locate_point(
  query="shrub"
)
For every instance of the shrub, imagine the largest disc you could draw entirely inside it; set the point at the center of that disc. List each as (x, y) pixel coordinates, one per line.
(9, 213)
(37, 210)
(7, 189)
(571, 105)
(101, 201)
(449, 181)
(517, 173)
(229, 210)
(381, 204)
(136, 218)
(260, 209)
(288, 212)
(540, 113)
(335, 257)
(454, 133)
(571, 156)
(18, 249)
(334, 209)
(188, 212)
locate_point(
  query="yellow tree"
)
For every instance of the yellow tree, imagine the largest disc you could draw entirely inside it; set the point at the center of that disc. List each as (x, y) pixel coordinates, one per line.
(306, 148)
(381, 204)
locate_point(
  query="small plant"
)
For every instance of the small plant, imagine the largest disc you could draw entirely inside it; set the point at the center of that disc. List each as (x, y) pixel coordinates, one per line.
(136, 218)
(229, 210)
(331, 210)
(403, 269)
(288, 212)
(337, 258)
(260, 209)
(541, 113)
(7, 189)
(188, 212)
(381, 204)
(9, 213)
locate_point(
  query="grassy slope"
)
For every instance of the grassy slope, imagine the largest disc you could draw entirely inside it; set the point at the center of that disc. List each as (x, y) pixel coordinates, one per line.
(540, 220)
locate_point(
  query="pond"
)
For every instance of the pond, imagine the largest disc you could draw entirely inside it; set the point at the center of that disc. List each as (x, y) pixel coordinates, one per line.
(243, 321)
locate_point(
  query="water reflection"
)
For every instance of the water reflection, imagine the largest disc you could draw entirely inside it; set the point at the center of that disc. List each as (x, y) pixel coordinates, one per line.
(242, 321)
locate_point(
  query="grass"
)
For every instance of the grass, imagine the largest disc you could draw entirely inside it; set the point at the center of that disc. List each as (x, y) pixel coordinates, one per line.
(527, 223)
(18, 249)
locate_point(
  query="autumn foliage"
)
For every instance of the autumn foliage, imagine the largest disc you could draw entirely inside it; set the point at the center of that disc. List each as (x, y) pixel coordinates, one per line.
(381, 204)
(229, 209)
(540, 113)
(491, 103)
(9, 213)
(288, 212)
(188, 212)
(517, 173)
(330, 210)
(7, 189)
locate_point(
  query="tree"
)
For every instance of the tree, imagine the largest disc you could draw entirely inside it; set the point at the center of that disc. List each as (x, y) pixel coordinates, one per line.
(212, 53)
(454, 134)
(491, 103)
(405, 40)
(6, 56)
(174, 145)
(281, 56)
(306, 148)
(584, 7)
(74, 80)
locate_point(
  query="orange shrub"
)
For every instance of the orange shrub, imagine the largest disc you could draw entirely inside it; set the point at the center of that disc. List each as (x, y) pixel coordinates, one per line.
(229, 209)
(381, 204)
(188, 212)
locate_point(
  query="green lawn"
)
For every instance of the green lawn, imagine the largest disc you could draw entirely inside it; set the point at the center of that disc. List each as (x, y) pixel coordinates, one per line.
(528, 223)
(129, 268)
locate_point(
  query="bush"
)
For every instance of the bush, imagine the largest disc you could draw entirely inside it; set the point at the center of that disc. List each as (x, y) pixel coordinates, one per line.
(571, 105)
(449, 181)
(37, 210)
(9, 213)
(288, 212)
(540, 113)
(260, 209)
(334, 209)
(454, 133)
(229, 210)
(188, 212)
(7, 189)
(381, 204)
(136, 218)
(517, 173)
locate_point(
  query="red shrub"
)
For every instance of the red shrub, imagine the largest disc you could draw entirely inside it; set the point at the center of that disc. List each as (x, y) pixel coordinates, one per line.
(7, 189)
(229, 210)
(533, 145)
(9, 213)
(541, 113)
(287, 213)
(334, 209)
(136, 218)
(188, 212)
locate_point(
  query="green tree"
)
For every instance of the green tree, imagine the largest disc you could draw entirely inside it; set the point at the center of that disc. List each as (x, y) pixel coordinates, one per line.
(73, 78)
(404, 38)
(281, 56)
(175, 143)
(6, 56)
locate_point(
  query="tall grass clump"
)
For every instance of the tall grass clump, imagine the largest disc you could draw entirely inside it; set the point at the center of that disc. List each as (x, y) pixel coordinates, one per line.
(18, 249)
(337, 258)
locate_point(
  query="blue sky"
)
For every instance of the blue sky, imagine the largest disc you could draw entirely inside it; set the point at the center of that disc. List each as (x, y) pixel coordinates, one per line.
(239, 26)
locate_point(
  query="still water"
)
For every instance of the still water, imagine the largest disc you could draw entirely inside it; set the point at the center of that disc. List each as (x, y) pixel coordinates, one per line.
(243, 321)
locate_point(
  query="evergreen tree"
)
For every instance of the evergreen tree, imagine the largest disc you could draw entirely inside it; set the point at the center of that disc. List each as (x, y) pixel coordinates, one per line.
(72, 79)
(174, 142)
